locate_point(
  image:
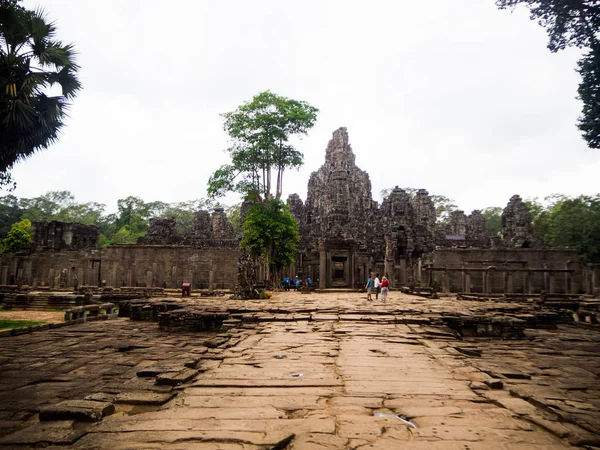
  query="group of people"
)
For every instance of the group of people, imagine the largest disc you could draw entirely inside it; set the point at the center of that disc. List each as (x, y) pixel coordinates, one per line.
(380, 286)
(287, 283)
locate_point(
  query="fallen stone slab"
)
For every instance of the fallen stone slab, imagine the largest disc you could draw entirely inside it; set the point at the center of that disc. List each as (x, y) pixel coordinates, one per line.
(83, 410)
(152, 371)
(101, 397)
(144, 397)
(176, 378)
(58, 433)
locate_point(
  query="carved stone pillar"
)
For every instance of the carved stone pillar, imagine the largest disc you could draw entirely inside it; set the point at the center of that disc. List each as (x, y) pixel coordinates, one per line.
(509, 283)
(551, 282)
(322, 265)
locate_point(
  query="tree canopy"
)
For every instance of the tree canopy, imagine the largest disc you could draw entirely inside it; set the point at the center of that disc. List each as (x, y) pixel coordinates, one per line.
(260, 133)
(18, 238)
(573, 23)
(123, 227)
(575, 223)
(31, 61)
(271, 232)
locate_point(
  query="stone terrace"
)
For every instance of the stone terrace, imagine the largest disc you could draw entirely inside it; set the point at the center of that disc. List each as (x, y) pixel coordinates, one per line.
(317, 371)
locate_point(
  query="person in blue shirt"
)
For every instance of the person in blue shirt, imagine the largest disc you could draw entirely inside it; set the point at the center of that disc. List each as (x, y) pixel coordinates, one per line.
(286, 283)
(309, 281)
(368, 287)
(296, 283)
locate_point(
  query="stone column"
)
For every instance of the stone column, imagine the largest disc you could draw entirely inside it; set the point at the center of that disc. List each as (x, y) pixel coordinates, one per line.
(467, 282)
(551, 283)
(419, 271)
(174, 277)
(27, 272)
(402, 279)
(4, 274)
(445, 282)
(389, 260)
(322, 265)
(509, 283)
(490, 280)
(133, 275)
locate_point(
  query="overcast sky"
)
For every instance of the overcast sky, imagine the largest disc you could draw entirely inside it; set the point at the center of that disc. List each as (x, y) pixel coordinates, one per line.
(456, 96)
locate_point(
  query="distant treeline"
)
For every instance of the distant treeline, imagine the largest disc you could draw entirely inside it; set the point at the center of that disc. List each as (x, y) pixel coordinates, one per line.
(562, 221)
(123, 227)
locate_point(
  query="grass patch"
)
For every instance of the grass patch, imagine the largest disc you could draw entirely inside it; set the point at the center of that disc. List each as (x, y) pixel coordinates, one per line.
(4, 324)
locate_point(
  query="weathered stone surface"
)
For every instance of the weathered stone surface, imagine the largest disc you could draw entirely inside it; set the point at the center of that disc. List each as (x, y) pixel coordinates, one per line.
(84, 410)
(161, 231)
(57, 433)
(144, 397)
(517, 228)
(176, 378)
(370, 362)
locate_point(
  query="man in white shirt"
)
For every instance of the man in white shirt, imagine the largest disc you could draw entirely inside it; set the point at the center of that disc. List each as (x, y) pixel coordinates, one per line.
(377, 286)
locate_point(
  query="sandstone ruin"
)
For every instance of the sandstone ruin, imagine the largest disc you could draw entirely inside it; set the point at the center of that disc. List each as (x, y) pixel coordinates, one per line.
(346, 235)
(504, 357)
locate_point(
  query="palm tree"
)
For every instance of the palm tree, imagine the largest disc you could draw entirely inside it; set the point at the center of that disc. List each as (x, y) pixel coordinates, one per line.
(31, 61)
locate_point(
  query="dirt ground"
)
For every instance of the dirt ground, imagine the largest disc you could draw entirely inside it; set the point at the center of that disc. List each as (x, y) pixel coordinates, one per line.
(38, 316)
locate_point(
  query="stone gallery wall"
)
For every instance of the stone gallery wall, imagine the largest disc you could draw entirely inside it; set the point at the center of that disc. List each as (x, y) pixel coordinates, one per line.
(126, 265)
(509, 270)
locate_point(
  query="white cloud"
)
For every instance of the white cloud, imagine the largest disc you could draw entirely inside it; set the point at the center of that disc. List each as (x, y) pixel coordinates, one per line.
(456, 97)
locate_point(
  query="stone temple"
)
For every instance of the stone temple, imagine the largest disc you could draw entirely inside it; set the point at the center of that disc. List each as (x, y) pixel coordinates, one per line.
(345, 236)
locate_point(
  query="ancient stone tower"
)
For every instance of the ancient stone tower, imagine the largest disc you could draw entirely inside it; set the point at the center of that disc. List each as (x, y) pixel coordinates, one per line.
(338, 202)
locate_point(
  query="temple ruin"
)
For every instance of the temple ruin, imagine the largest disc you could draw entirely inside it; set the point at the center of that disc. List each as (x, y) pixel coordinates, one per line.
(345, 237)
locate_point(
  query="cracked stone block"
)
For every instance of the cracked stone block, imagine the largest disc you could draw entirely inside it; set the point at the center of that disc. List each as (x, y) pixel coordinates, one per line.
(494, 384)
(176, 378)
(144, 398)
(101, 397)
(59, 433)
(154, 371)
(84, 410)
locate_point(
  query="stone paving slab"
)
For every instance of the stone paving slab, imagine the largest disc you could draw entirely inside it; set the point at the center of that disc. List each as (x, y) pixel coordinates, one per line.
(361, 364)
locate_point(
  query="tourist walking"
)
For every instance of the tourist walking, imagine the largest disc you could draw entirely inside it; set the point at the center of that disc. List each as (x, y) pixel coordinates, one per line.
(286, 283)
(377, 286)
(368, 287)
(384, 289)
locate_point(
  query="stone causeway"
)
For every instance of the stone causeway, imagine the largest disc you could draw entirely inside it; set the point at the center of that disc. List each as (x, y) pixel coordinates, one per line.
(327, 370)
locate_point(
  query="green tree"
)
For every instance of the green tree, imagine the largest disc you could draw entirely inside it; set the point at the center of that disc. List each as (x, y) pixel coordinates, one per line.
(540, 212)
(575, 223)
(260, 131)
(589, 94)
(573, 23)
(271, 233)
(18, 238)
(133, 213)
(493, 219)
(31, 61)
(10, 212)
(234, 216)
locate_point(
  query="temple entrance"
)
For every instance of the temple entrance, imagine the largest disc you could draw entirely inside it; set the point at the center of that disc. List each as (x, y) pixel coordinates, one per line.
(339, 266)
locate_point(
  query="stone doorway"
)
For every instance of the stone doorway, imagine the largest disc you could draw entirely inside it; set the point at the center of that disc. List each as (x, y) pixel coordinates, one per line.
(339, 275)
